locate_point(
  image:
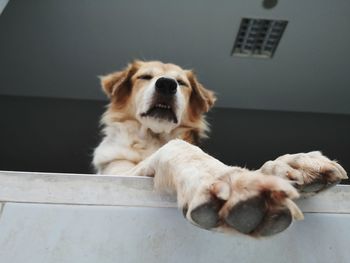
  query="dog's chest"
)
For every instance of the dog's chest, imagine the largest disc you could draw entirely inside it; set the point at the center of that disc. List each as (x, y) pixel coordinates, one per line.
(145, 143)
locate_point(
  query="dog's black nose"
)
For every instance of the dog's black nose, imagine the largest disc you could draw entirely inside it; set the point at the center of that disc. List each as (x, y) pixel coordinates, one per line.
(166, 86)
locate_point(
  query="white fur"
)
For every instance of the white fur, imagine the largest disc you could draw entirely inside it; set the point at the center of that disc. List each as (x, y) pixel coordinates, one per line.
(117, 144)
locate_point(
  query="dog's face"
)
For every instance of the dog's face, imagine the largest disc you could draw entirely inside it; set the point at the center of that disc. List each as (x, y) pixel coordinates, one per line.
(160, 96)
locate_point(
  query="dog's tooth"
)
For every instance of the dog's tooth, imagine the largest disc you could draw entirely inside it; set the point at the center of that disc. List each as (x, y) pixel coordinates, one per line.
(162, 106)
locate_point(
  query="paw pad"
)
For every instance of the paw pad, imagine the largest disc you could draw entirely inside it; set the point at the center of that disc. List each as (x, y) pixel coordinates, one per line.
(275, 222)
(207, 214)
(247, 215)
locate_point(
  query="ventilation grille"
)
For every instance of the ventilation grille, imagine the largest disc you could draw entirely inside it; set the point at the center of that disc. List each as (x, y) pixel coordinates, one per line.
(258, 37)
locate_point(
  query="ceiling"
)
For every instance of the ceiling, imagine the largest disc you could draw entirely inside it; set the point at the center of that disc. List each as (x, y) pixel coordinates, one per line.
(55, 48)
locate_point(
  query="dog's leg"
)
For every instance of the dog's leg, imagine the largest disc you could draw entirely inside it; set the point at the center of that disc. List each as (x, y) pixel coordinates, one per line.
(213, 195)
(310, 172)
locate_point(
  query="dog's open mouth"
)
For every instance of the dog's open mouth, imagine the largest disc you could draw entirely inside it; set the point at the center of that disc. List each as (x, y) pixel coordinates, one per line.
(162, 111)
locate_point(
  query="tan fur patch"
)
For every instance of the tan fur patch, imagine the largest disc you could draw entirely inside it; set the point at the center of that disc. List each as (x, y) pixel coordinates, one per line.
(118, 85)
(201, 99)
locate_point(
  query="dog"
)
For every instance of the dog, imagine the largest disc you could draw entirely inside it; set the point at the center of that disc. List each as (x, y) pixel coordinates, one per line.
(154, 121)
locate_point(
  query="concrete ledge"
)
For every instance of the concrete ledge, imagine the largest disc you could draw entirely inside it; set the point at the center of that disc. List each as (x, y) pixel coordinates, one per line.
(101, 190)
(55, 218)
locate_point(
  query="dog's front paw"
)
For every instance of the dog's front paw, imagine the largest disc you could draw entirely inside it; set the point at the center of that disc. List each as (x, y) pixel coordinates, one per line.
(243, 201)
(310, 172)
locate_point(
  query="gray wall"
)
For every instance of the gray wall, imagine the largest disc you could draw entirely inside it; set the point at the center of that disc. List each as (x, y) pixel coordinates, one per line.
(57, 48)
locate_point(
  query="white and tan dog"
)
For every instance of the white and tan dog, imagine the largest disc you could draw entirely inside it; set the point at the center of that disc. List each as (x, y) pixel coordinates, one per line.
(155, 118)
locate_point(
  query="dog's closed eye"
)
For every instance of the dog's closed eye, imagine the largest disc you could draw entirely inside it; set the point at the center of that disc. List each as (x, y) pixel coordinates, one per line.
(181, 82)
(145, 77)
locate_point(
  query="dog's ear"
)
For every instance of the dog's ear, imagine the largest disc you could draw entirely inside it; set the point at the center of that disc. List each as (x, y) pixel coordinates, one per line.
(201, 99)
(117, 85)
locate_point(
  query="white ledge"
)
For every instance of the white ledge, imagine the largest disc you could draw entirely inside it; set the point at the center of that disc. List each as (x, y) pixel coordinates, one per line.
(102, 190)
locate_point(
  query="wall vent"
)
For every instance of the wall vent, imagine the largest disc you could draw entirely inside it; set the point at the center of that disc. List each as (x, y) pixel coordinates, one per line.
(258, 37)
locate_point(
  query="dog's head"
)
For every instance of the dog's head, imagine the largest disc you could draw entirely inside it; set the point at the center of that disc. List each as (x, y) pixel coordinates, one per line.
(160, 96)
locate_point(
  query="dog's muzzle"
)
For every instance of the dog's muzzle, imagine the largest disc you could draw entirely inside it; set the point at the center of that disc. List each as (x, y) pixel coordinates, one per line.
(163, 104)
